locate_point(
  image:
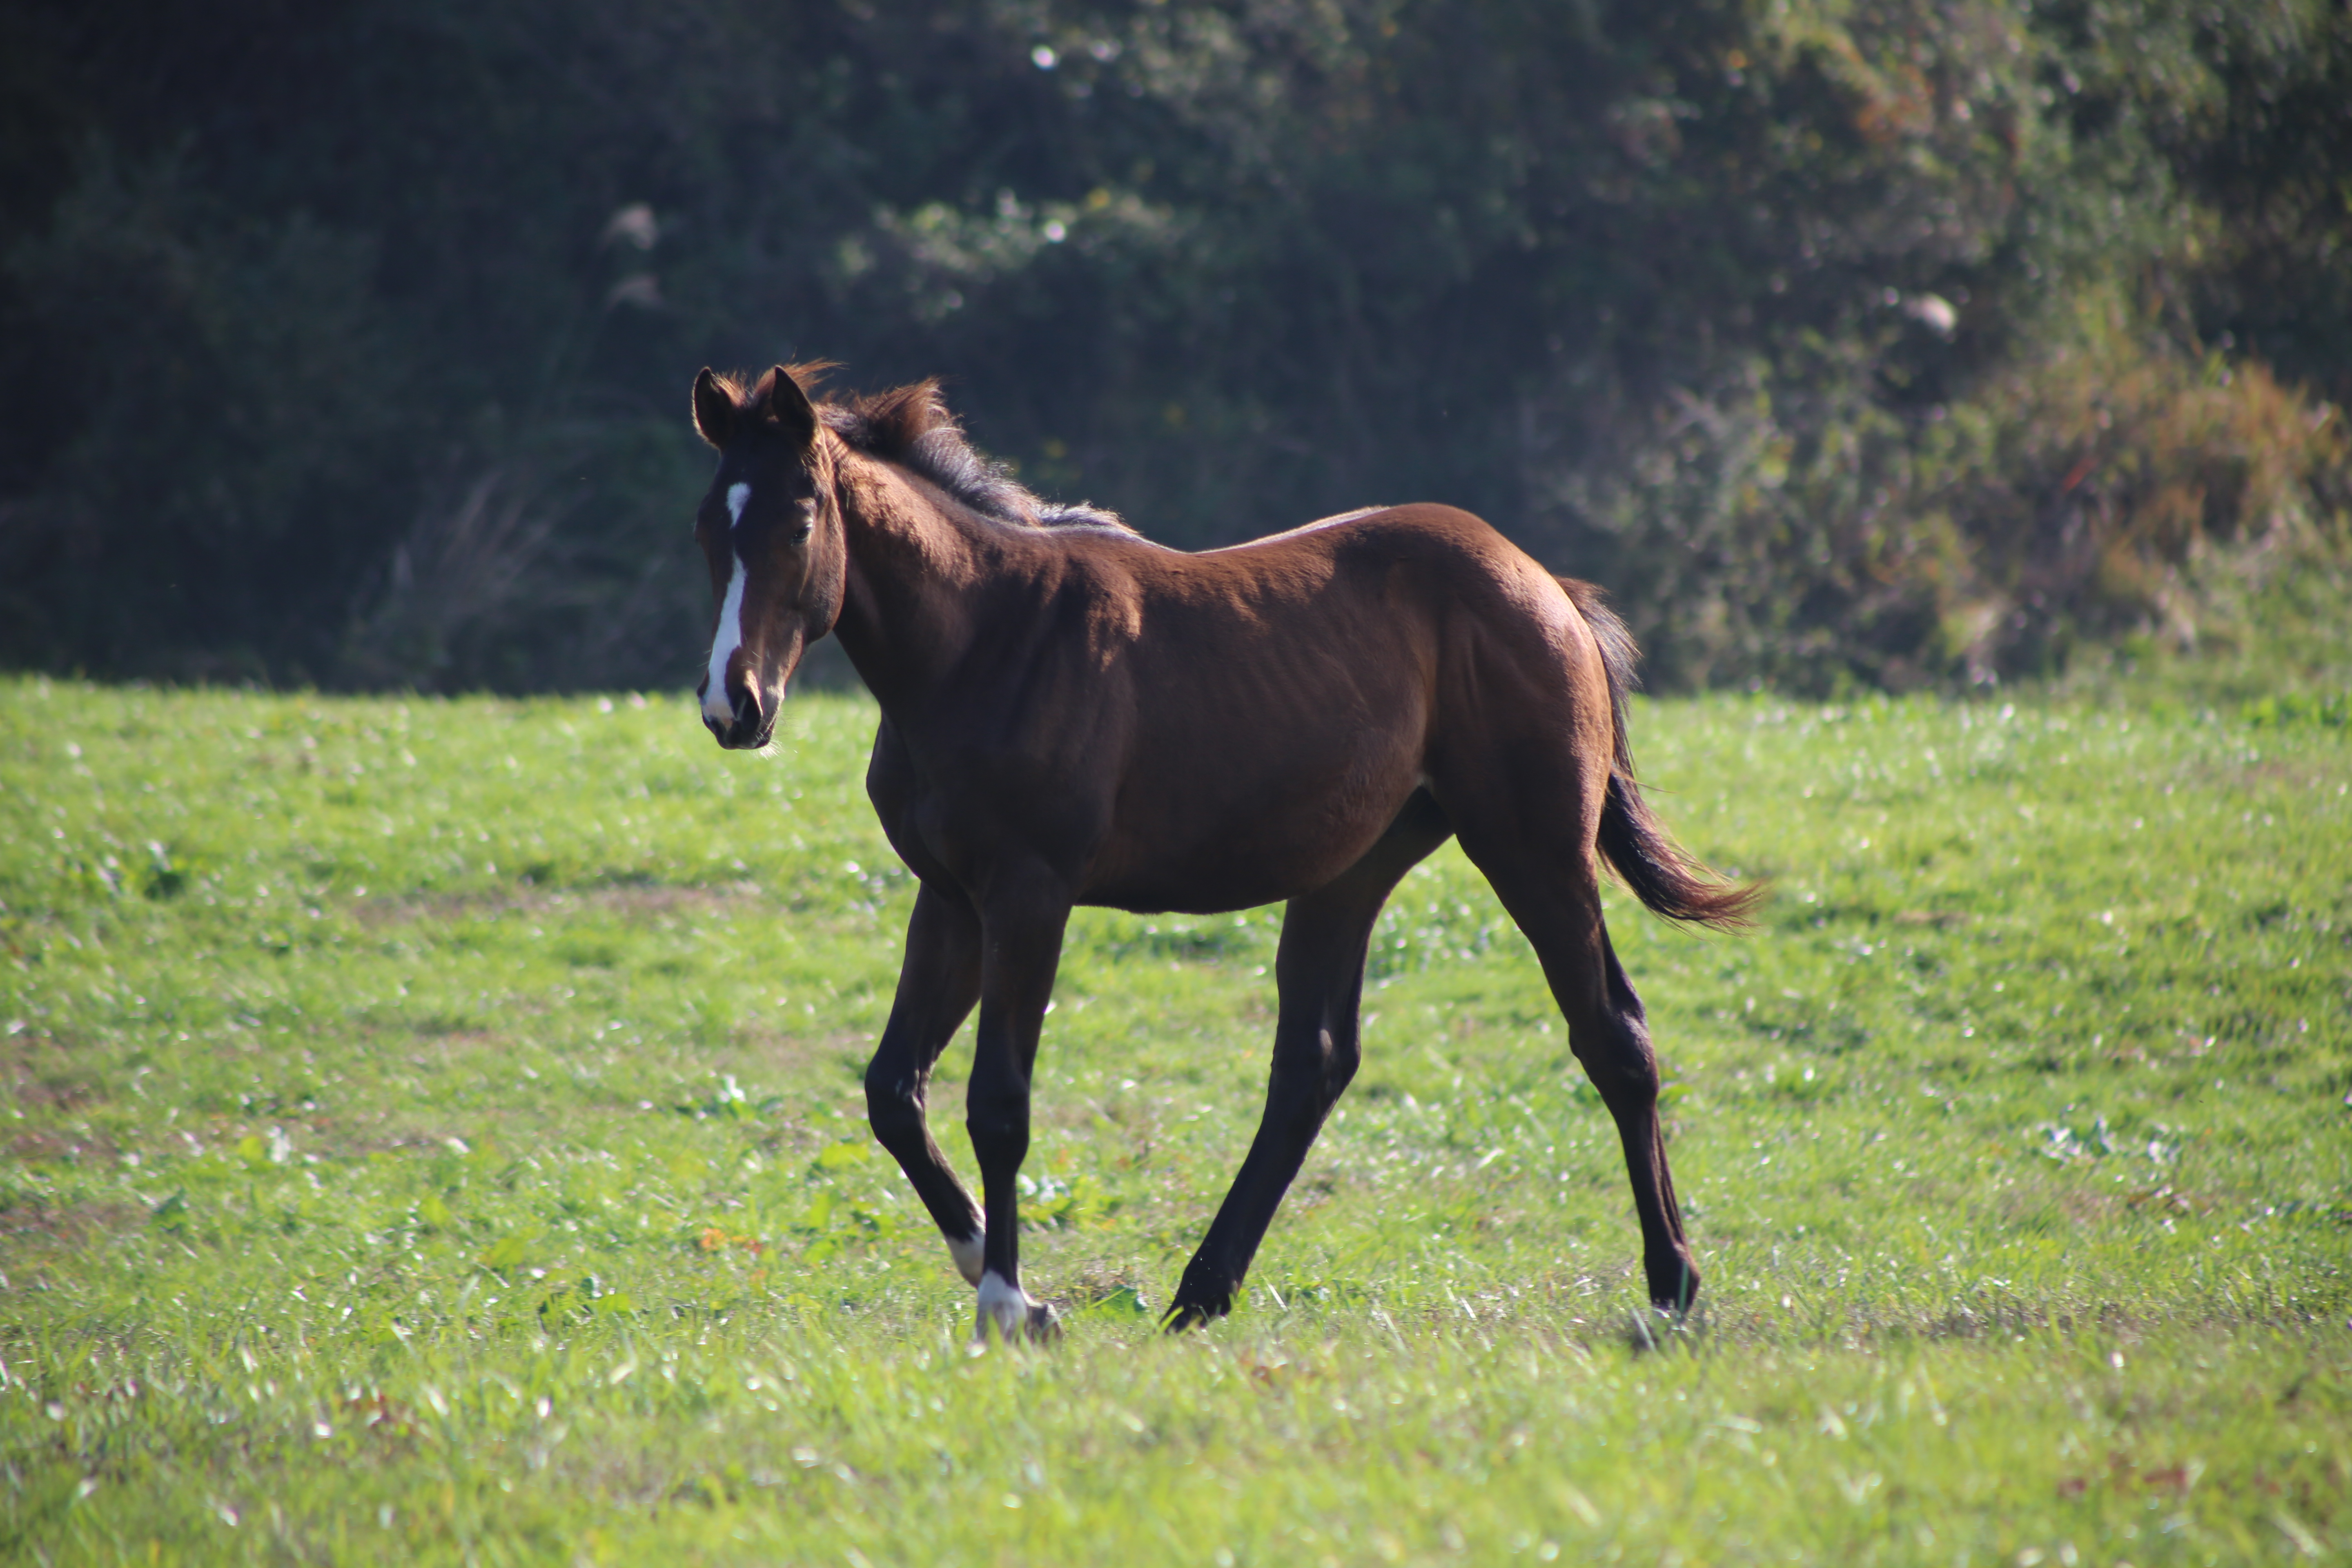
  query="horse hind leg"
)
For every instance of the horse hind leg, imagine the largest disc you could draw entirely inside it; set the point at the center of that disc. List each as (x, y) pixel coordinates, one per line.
(1557, 903)
(1624, 1067)
(1319, 974)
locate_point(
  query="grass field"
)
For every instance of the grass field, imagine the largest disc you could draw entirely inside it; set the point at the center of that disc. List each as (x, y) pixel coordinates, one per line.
(432, 1133)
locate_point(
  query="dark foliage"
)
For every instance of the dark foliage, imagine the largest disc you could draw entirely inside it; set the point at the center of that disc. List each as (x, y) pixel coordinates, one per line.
(347, 343)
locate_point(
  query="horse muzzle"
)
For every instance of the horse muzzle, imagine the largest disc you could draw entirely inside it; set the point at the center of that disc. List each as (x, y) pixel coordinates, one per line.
(743, 722)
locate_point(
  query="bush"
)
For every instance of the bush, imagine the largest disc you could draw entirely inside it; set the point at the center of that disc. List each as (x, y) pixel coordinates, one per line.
(2107, 485)
(348, 344)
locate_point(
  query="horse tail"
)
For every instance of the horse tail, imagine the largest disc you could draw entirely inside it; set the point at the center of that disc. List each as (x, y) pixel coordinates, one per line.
(1661, 873)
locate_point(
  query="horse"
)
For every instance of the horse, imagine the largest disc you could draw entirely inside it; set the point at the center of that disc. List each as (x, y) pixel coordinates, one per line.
(1073, 714)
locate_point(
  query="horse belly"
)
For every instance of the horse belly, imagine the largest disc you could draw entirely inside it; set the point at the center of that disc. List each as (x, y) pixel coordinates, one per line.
(1234, 832)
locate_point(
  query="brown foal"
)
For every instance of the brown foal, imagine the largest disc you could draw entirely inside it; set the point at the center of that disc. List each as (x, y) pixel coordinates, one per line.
(1074, 715)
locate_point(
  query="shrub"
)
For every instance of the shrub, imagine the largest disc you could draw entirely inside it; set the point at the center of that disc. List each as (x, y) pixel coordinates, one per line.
(2108, 484)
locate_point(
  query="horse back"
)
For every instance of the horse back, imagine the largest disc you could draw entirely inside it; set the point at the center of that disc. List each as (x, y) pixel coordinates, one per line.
(1276, 704)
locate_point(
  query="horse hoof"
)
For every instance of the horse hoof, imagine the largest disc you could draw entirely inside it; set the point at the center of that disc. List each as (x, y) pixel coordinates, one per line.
(1013, 1315)
(1044, 1325)
(1040, 1325)
(1182, 1315)
(1674, 1287)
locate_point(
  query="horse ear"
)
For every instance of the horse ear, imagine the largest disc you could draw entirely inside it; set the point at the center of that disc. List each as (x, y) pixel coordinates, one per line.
(789, 406)
(714, 409)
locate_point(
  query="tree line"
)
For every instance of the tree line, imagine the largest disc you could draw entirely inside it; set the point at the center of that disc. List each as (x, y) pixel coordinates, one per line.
(1885, 342)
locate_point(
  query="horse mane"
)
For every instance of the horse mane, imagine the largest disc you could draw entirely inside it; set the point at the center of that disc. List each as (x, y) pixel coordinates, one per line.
(913, 427)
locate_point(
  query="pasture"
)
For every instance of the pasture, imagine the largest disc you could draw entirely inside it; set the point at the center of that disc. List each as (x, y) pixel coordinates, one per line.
(431, 1131)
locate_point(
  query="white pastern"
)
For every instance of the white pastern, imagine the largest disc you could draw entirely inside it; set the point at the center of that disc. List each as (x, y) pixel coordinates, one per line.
(1005, 1307)
(715, 702)
(968, 1254)
(736, 496)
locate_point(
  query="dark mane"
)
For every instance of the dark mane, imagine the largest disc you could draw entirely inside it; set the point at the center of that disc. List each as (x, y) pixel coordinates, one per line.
(912, 428)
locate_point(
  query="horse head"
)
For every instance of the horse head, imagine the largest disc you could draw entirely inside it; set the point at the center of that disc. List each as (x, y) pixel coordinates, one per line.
(769, 528)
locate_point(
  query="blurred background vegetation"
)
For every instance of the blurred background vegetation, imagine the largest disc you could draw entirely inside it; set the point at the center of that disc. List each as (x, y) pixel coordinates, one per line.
(1883, 342)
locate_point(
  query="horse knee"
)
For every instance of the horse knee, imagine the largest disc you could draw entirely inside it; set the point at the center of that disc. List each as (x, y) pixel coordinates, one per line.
(998, 1124)
(894, 1109)
(1340, 1060)
(1316, 1052)
(897, 1119)
(1318, 1059)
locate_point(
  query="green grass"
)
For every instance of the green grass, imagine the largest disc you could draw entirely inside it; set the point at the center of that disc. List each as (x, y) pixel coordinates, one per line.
(432, 1132)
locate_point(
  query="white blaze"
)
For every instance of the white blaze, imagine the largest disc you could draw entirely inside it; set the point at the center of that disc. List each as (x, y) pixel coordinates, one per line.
(715, 703)
(730, 617)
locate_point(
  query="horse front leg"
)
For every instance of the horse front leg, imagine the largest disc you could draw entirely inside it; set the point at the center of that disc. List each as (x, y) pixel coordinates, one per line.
(1022, 948)
(938, 984)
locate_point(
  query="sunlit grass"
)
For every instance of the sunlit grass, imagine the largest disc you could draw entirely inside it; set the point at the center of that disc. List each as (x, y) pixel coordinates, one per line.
(432, 1132)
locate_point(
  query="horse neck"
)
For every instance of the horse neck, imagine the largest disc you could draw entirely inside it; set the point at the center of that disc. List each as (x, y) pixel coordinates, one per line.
(914, 574)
